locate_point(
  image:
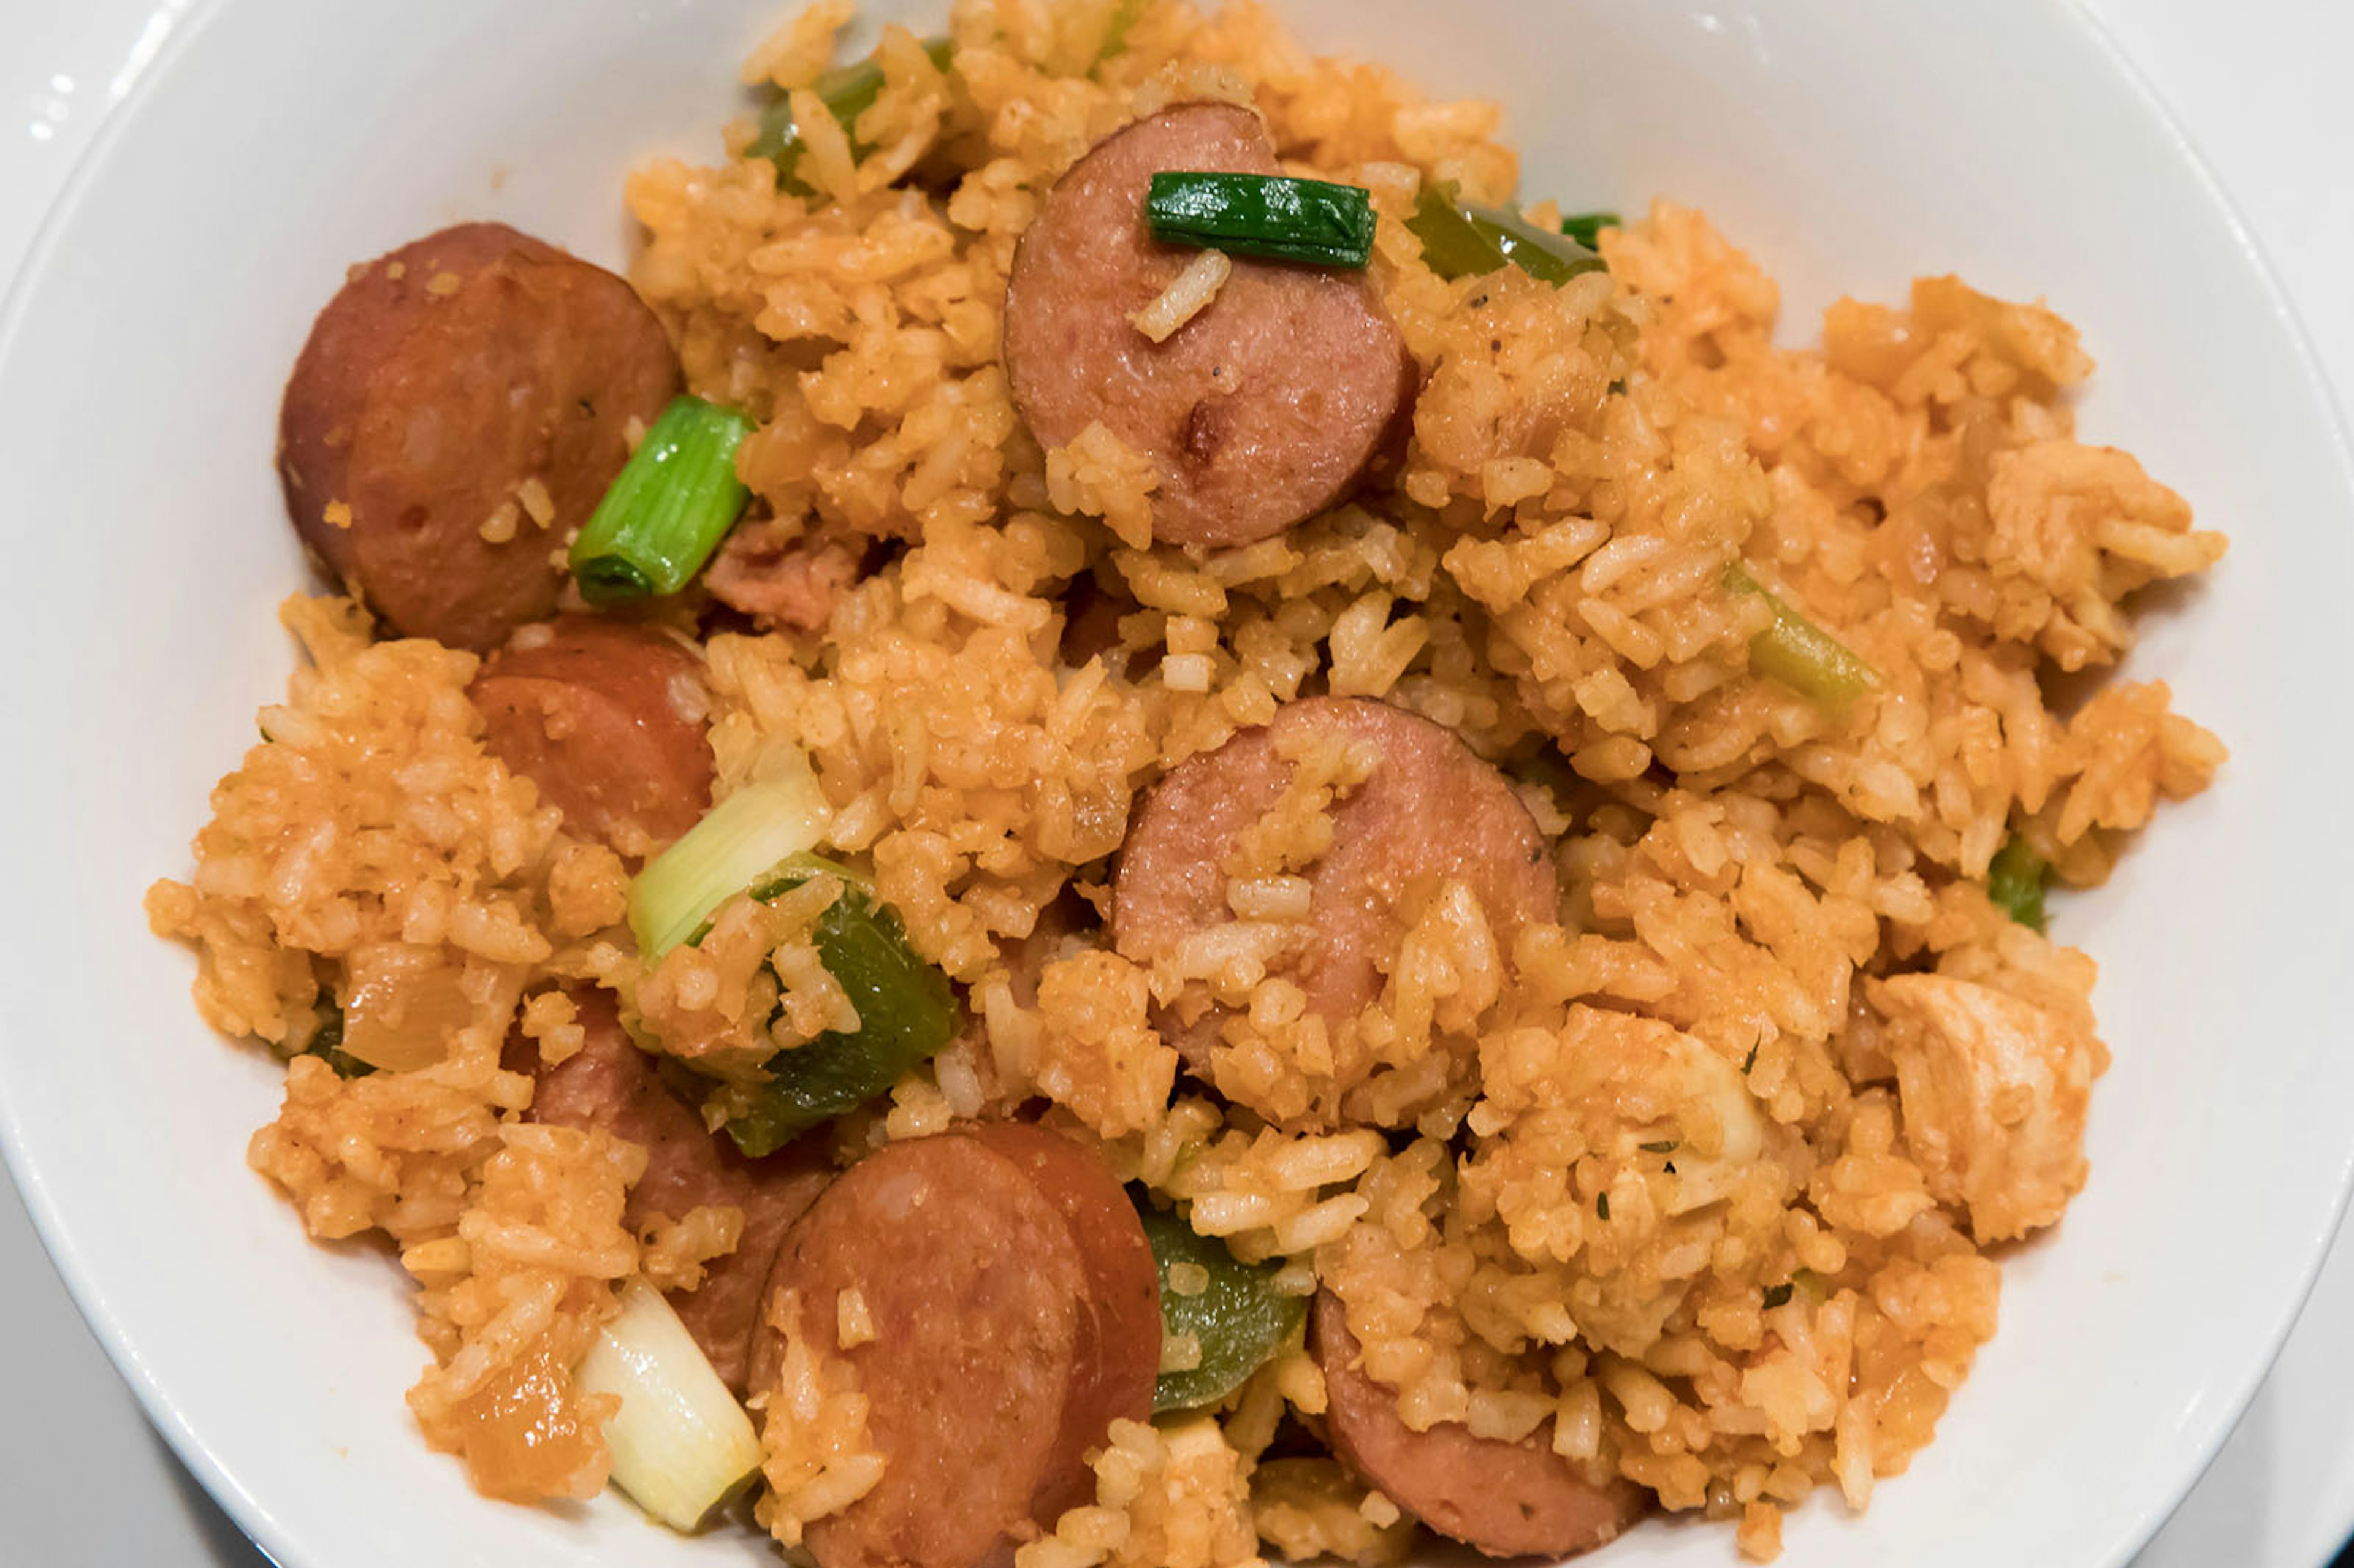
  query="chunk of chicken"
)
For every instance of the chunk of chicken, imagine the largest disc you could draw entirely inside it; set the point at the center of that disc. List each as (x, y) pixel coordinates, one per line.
(1994, 1091)
(1714, 1091)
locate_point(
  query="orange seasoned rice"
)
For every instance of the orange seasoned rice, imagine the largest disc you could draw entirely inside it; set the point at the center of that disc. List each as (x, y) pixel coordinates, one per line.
(1775, 950)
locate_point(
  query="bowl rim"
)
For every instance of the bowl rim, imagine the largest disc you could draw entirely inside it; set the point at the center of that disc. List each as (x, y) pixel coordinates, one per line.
(2339, 430)
(260, 1524)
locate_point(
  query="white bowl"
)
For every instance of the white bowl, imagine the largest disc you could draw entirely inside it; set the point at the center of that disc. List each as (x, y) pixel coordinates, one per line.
(1848, 146)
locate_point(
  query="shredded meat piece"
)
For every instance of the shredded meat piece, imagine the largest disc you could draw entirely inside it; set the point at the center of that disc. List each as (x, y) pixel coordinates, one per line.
(779, 577)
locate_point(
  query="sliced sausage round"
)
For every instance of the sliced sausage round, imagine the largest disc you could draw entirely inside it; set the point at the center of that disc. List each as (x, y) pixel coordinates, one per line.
(1260, 411)
(612, 1086)
(1509, 1500)
(442, 382)
(605, 716)
(1015, 1315)
(1431, 811)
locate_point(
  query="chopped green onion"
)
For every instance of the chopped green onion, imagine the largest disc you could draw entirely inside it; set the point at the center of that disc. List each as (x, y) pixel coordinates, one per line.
(1273, 216)
(680, 1444)
(1800, 654)
(668, 508)
(1452, 246)
(1238, 1318)
(740, 841)
(907, 1016)
(1463, 240)
(1776, 1295)
(1602, 1206)
(1124, 16)
(326, 1043)
(2016, 879)
(1263, 215)
(1586, 227)
(1665, 1146)
(848, 91)
(1751, 1060)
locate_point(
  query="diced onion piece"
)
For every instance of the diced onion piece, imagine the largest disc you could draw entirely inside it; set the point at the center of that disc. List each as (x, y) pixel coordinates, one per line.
(404, 1005)
(1188, 295)
(1187, 672)
(680, 1444)
(740, 841)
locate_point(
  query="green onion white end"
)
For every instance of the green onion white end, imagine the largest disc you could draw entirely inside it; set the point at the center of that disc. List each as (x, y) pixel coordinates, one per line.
(738, 840)
(680, 1444)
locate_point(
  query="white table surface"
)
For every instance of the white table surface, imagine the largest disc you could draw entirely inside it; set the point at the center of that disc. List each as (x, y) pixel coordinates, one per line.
(2260, 85)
